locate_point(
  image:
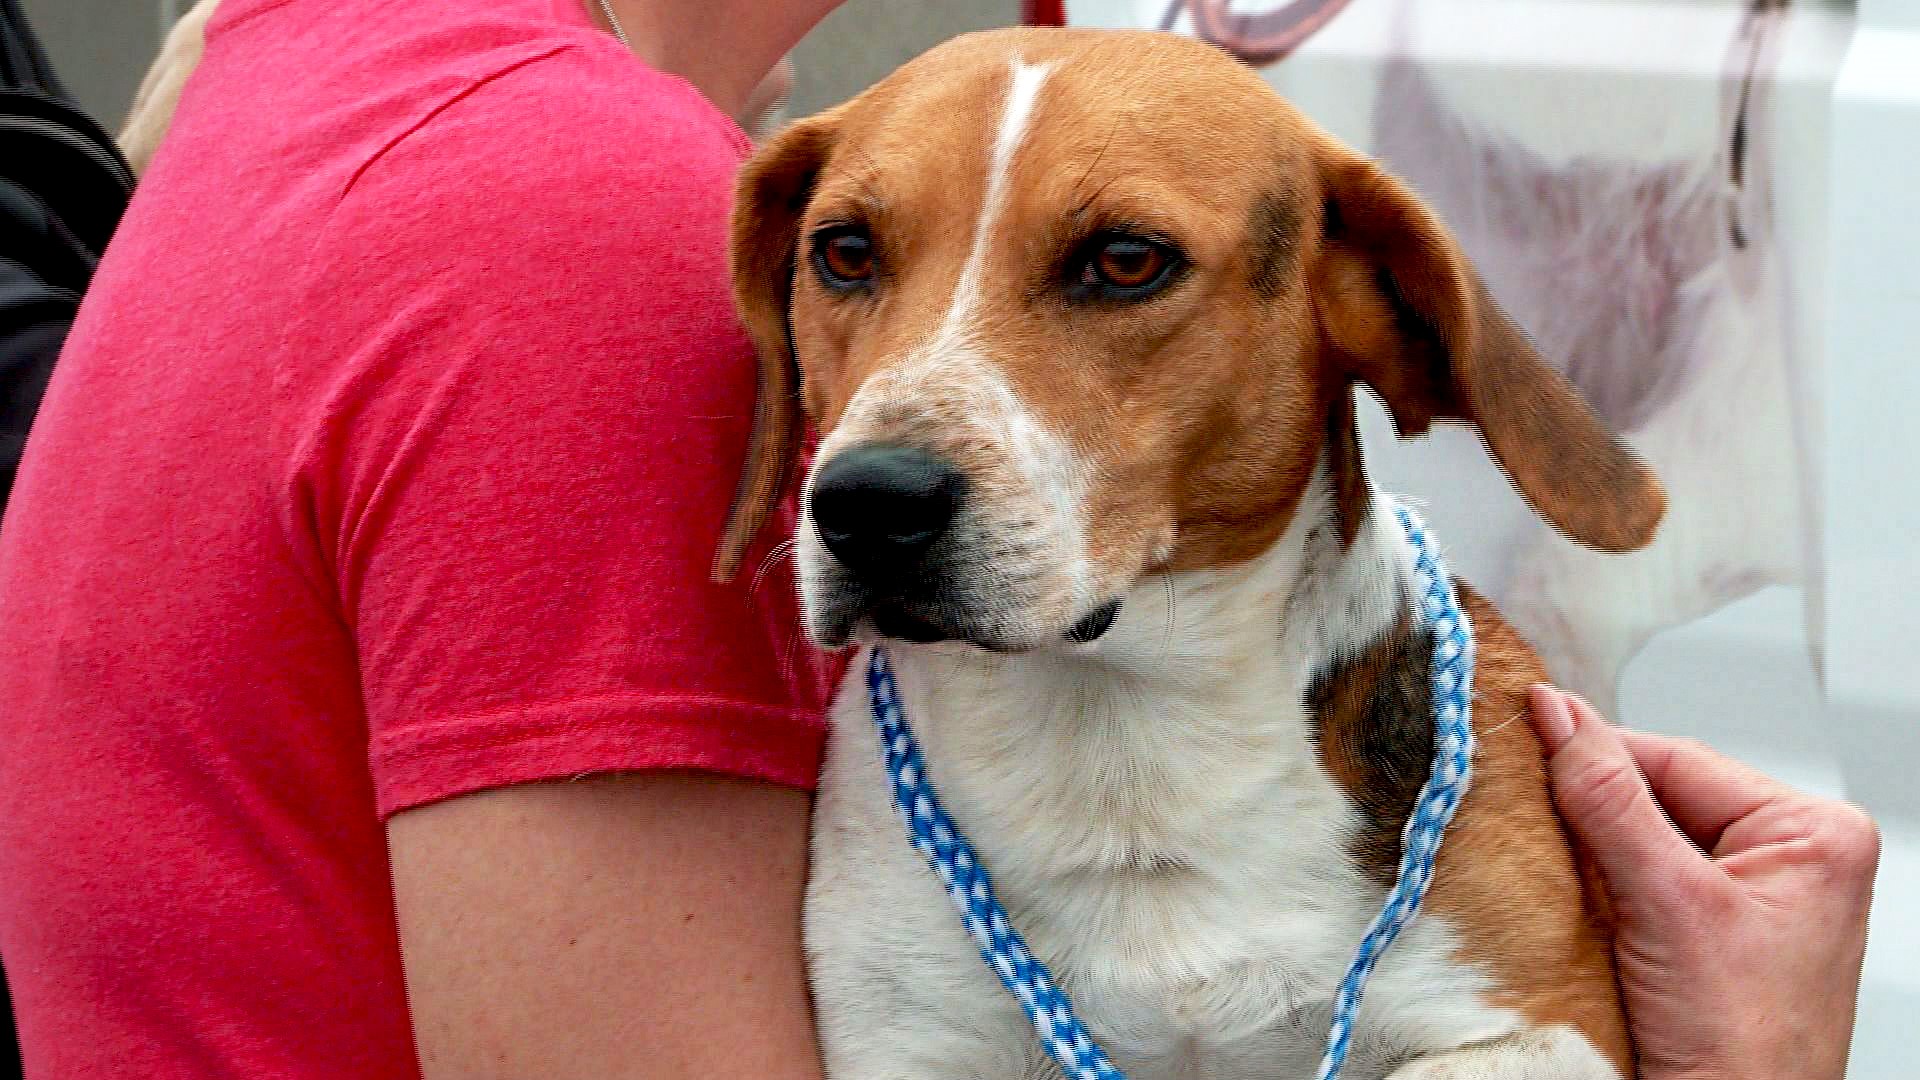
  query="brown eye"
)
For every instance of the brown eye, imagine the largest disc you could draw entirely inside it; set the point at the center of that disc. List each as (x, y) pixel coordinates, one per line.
(843, 257)
(1121, 266)
(1129, 264)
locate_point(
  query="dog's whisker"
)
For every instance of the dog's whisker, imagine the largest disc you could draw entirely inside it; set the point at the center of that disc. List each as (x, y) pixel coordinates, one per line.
(781, 550)
(1166, 644)
(1507, 723)
(790, 655)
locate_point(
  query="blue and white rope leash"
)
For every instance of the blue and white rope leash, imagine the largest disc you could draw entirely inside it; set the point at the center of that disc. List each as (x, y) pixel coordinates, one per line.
(1061, 1034)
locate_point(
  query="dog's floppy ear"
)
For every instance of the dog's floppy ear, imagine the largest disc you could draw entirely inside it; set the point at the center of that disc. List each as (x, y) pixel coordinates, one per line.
(770, 198)
(1406, 313)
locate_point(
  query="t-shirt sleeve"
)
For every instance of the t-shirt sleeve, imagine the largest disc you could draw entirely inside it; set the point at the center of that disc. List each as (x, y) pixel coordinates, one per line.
(520, 463)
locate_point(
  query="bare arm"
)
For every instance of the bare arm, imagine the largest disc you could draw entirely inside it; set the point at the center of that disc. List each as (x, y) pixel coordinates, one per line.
(645, 925)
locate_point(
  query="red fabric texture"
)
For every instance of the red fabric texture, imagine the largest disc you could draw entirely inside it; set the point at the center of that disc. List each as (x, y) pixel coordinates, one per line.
(385, 464)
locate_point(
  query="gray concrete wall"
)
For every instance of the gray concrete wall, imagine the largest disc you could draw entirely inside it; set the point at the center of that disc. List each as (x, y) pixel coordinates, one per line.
(865, 39)
(102, 47)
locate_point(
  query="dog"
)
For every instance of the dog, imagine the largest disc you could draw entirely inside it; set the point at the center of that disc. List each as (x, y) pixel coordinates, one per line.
(1078, 319)
(1661, 289)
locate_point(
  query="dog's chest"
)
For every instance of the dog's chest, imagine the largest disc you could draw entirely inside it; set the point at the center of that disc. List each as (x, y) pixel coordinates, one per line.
(1184, 863)
(1200, 983)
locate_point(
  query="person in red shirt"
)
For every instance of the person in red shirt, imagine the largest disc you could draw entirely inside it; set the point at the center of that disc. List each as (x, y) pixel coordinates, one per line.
(354, 602)
(365, 708)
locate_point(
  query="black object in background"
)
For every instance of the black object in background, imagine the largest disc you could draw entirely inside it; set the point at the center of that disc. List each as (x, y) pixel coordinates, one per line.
(9, 1040)
(63, 187)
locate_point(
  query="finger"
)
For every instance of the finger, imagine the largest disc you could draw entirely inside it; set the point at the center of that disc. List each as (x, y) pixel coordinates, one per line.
(1607, 804)
(1703, 791)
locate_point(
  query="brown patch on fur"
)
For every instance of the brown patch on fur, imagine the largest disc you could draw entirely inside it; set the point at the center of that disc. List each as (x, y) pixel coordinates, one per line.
(1351, 501)
(1507, 879)
(1373, 727)
(1275, 234)
(1530, 915)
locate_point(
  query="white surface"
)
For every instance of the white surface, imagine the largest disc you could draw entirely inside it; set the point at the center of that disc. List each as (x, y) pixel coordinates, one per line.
(1872, 515)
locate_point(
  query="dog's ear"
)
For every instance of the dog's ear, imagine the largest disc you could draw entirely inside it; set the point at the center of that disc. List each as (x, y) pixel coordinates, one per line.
(1405, 312)
(772, 194)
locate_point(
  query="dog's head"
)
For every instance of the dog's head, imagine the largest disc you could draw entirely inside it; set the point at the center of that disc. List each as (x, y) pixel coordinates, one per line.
(1071, 307)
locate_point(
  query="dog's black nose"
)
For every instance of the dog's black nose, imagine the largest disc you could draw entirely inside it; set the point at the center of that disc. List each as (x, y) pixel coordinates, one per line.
(880, 507)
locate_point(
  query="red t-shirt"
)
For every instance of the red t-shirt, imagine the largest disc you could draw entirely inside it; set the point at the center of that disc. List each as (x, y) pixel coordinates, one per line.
(385, 463)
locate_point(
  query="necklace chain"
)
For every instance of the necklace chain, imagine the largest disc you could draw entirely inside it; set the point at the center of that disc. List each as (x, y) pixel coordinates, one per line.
(606, 8)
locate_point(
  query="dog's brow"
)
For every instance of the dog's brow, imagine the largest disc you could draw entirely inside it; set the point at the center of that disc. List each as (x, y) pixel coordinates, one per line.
(864, 176)
(1112, 129)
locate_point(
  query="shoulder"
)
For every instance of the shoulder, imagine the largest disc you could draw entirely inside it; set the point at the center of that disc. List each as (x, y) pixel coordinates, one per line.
(572, 190)
(572, 146)
(1505, 664)
(543, 264)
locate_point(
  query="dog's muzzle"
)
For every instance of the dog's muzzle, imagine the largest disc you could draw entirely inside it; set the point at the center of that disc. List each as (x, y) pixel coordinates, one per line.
(912, 556)
(882, 512)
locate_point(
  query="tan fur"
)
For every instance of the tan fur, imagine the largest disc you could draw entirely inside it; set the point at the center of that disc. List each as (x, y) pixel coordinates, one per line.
(1506, 875)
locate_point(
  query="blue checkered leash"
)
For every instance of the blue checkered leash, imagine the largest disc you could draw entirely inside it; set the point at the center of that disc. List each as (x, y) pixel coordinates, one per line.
(1061, 1034)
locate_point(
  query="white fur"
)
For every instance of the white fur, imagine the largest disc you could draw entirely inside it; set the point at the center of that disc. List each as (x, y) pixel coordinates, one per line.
(1158, 826)
(1546, 1054)
(1023, 92)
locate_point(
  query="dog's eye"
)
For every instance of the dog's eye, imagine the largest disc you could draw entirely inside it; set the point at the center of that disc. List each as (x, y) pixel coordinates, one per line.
(1120, 266)
(843, 256)
(1128, 263)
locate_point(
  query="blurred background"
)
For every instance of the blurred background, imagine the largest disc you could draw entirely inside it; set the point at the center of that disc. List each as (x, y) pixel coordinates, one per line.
(102, 47)
(1707, 209)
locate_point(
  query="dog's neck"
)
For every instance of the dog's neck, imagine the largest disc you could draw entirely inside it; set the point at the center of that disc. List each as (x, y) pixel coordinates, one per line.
(1146, 751)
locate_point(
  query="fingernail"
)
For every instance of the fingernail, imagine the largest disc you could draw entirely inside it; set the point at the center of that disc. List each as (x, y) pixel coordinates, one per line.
(1582, 709)
(1551, 717)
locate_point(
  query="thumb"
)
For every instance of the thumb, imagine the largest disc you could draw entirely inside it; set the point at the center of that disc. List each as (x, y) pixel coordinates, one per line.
(1606, 802)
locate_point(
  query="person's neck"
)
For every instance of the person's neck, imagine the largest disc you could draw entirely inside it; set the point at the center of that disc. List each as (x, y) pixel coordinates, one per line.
(723, 47)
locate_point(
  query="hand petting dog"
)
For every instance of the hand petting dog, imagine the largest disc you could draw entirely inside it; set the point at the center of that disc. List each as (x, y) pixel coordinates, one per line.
(1742, 903)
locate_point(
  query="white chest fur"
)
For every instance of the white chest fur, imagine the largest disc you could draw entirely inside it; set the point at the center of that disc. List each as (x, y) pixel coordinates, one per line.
(1159, 827)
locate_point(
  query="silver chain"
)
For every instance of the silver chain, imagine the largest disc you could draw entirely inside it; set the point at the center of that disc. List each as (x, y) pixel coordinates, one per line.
(606, 8)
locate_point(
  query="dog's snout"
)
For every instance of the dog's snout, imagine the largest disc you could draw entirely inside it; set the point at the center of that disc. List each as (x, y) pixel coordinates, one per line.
(879, 507)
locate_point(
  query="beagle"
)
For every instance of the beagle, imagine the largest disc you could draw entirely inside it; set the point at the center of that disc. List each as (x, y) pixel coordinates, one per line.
(1083, 376)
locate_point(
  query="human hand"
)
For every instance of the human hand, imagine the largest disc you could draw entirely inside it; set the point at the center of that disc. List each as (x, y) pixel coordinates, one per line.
(1742, 909)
